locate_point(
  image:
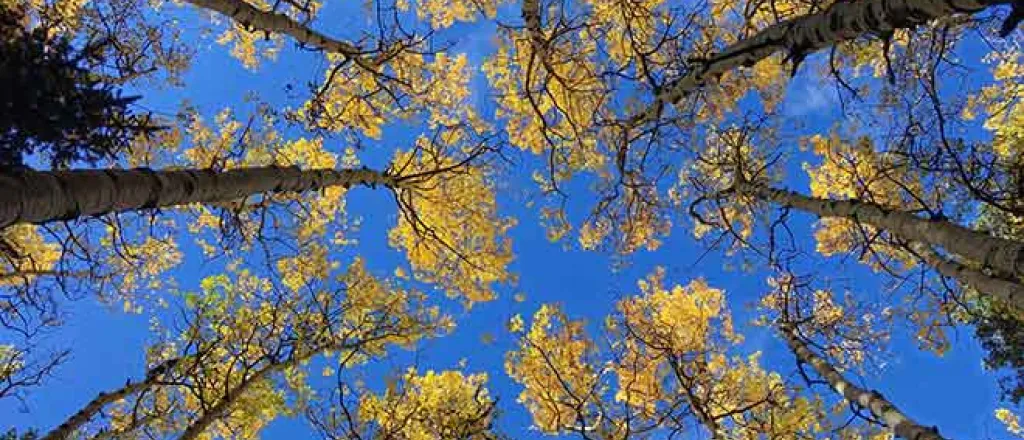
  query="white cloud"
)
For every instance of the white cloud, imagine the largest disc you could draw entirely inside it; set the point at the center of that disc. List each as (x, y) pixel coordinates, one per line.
(806, 97)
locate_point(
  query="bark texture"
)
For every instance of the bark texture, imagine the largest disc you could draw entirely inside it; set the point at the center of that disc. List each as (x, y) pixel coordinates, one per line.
(700, 408)
(45, 196)
(72, 424)
(1009, 291)
(223, 406)
(215, 413)
(871, 400)
(252, 17)
(844, 20)
(75, 422)
(1004, 256)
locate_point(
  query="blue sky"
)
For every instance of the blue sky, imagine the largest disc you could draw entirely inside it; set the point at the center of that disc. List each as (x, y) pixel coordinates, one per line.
(953, 392)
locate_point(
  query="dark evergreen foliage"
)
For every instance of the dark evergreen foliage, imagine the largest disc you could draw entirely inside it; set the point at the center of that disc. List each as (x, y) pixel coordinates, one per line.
(1002, 337)
(51, 104)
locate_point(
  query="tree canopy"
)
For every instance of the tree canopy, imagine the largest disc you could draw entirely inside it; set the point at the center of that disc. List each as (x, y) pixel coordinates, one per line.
(489, 219)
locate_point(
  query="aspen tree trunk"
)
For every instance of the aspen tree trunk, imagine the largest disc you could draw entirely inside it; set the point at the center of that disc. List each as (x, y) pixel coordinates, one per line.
(700, 409)
(249, 16)
(72, 424)
(75, 422)
(871, 400)
(843, 20)
(45, 196)
(1005, 256)
(25, 275)
(1008, 291)
(222, 407)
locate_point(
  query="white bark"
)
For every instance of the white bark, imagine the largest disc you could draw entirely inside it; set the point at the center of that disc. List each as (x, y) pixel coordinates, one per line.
(1007, 291)
(903, 426)
(215, 413)
(80, 418)
(252, 17)
(44, 196)
(224, 405)
(72, 424)
(844, 20)
(1004, 256)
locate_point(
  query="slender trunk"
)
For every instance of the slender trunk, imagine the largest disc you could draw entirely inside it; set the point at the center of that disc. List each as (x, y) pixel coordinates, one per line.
(75, 422)
(68, 428)
(72, 424)
(45, 196)
(1002, 255)
(871, 400)
(25, 275)
(196, 428)
(797, 37)
(223, 406)
(125, 431)
(249, 16)
(699, 407)
(1008, 291)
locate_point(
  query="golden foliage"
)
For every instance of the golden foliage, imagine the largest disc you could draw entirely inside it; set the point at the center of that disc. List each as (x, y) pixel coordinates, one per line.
(135, 265)
(549, 101)
(442, 14)
(450, 230)
(669, 351)
(1011, 421)
(677, 319)
(442, 405)
(559, 384)
(855, 170)
(1001, 103)
(410, 86)
(241, 356)
(25, 255)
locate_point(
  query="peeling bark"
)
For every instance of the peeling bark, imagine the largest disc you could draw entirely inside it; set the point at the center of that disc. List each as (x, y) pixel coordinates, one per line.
(872, 400)
(1002, 255)
(45, 196)
(844, 20)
